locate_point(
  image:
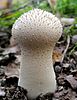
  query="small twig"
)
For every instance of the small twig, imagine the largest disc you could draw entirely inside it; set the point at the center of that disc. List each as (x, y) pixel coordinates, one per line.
(68, 43)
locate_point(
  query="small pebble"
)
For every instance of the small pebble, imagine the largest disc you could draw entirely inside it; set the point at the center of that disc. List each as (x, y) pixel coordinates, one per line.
(2, 93)
(57, 69)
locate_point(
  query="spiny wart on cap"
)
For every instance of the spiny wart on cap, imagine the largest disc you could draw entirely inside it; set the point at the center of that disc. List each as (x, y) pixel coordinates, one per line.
(37, 32)
(36, 24)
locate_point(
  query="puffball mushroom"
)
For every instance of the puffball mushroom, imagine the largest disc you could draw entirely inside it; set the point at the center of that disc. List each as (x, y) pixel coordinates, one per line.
(37, 32)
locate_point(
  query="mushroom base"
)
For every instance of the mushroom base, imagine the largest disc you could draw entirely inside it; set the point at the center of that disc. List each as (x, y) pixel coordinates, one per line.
(37, 73)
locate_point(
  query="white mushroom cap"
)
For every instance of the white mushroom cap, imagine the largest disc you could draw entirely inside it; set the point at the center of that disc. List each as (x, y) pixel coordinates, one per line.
(37, 27)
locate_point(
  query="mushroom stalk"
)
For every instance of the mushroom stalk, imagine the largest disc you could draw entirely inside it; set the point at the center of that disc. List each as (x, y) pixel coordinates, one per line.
(37, 79)
(37, 32)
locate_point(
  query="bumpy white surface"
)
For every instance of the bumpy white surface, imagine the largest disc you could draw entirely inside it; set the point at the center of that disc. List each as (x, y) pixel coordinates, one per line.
(37, 31)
